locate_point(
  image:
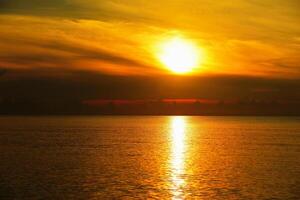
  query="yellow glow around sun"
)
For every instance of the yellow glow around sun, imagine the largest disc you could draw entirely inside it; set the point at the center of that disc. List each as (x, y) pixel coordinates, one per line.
(179, 55)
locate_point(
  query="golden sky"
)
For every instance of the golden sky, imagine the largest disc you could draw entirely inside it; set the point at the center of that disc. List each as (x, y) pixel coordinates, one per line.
(245, 37)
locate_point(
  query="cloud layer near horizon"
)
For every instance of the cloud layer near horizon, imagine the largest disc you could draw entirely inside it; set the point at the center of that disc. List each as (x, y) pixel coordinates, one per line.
(250, 37)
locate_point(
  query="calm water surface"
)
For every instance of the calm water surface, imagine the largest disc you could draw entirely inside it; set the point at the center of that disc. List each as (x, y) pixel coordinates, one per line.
(149, 158)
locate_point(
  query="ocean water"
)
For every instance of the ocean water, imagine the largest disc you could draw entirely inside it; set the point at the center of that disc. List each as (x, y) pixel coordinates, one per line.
(150, 157)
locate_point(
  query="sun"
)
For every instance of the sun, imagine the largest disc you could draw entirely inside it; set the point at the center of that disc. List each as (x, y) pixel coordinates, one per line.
(179, 55)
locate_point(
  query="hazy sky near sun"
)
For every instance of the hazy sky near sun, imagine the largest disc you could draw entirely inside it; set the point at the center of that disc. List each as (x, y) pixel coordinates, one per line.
(247, 37)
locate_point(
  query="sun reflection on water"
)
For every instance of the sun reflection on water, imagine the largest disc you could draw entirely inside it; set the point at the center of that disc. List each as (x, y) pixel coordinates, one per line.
(177, 161)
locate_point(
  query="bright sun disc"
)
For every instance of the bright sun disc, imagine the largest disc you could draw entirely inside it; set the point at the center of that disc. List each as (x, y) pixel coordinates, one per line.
(179, 55)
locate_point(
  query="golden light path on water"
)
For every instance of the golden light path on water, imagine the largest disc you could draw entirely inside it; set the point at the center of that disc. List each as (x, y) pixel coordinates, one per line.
(177, 160)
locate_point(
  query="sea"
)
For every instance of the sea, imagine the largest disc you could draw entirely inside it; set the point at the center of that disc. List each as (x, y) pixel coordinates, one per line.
(149, 157)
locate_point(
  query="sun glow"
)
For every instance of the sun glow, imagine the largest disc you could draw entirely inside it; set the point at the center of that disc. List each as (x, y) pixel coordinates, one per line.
(179, 55)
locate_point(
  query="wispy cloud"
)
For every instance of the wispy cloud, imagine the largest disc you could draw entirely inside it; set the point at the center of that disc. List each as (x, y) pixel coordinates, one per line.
(241, 37)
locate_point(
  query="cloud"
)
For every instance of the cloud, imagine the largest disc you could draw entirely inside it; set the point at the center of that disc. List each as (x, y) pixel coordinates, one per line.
(105, 10)
(81, 44)
(113, 36)
(97, 86)
(78, 53)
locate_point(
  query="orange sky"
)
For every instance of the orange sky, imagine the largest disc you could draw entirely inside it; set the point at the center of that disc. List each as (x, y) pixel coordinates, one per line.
(249, 37)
